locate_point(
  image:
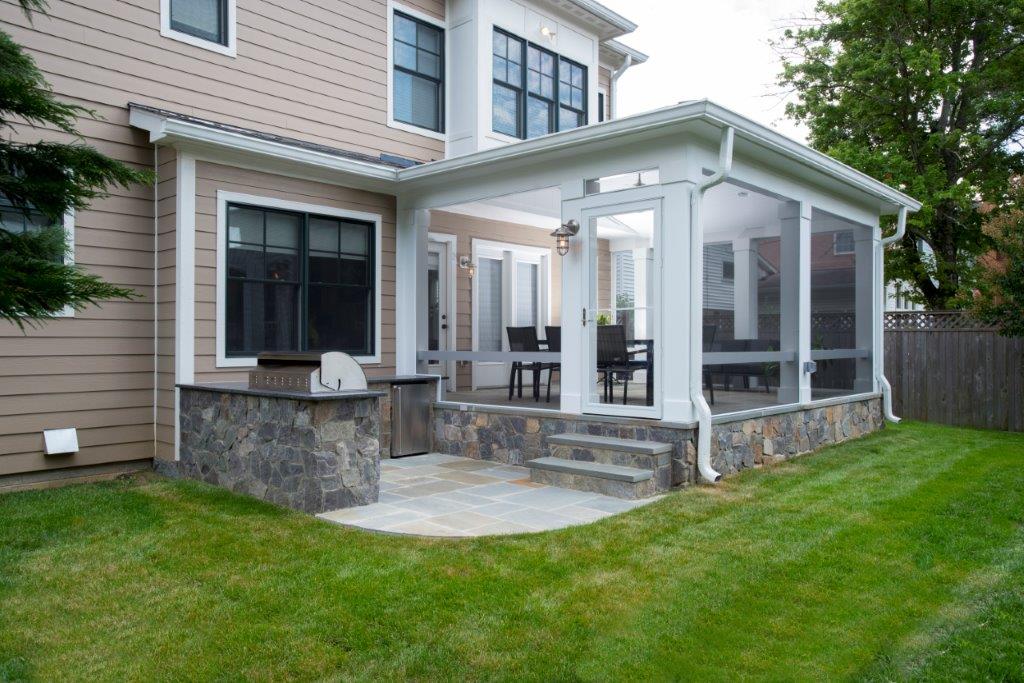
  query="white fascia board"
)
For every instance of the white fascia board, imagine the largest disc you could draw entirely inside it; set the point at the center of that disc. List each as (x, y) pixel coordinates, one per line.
(620, 22)
(168, 129)
(622, 50)
(661, 118)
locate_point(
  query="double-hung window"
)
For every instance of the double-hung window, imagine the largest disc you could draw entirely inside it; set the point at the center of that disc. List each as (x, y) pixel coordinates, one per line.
(534, 91)
(298, 282)
(507, 90)
(418, 79)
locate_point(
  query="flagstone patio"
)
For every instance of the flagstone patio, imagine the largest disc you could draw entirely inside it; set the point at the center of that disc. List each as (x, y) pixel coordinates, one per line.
(445, 495)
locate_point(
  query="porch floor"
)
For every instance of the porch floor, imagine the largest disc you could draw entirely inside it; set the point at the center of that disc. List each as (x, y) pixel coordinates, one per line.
(725, 401)
(445, 495)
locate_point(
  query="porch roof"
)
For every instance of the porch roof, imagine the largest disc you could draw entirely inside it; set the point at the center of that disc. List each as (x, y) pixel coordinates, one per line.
(702, 118)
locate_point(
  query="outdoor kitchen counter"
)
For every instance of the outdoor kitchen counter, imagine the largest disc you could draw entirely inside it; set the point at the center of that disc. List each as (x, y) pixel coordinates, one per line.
(243, 388)
(307, 451)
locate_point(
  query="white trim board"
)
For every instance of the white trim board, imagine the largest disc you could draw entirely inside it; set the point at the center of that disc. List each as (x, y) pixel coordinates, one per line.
(229, 50)
(223, 198)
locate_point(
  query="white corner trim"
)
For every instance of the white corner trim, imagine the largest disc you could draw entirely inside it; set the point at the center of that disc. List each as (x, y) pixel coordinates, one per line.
(185, 271)
(434, 21)
(223, 199)
(167, 32)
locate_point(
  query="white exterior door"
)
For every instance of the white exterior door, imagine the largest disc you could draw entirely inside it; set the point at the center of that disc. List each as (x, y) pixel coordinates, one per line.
(440, 320)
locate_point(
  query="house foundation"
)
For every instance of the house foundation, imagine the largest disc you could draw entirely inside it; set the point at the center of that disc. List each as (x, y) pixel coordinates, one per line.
(516, 437)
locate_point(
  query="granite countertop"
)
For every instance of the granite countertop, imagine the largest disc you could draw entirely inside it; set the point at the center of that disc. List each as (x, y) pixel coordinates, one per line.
(243, 388)
(401, 379)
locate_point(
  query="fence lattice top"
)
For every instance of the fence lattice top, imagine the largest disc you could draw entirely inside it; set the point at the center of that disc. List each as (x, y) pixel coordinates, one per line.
(952, 321)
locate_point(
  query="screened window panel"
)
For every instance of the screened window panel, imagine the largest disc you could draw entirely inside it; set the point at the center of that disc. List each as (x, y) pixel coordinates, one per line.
(526, 294)
(419, 73)
(204, 19)
(489, 332)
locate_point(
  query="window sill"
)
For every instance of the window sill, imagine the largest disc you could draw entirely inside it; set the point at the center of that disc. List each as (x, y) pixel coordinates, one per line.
(416, 130)
(227, 50)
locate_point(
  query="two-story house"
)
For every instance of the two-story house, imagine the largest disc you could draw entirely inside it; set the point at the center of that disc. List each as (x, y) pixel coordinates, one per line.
(383, 178)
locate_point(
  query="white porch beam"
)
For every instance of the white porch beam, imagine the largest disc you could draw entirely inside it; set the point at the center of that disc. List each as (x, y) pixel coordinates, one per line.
(411, 231)
(795, 292)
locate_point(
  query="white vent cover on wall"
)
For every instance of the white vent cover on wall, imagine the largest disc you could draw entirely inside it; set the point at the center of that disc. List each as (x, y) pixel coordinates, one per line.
(60, 441)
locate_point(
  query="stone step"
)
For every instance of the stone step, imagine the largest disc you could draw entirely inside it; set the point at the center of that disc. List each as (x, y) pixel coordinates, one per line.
(649, 455)
(595, 477)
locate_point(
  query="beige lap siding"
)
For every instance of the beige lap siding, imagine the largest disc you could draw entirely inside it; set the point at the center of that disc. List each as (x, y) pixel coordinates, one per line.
(166, 296)
(468, 228)
(306, 69)
(212, 177)
(93, 371)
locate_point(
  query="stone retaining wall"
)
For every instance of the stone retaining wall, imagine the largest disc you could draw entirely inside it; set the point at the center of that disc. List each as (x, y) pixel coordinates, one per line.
(502, 435)
(309, 455)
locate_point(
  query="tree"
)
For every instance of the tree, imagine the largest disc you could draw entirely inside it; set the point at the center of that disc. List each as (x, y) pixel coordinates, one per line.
(1000, 297)
(47, 178)
(927, 95)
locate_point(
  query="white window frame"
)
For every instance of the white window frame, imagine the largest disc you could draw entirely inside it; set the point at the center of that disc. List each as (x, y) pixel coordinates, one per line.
(836, 251)
(223, 199)
(69, 257)
(433, 21)
(167, 32)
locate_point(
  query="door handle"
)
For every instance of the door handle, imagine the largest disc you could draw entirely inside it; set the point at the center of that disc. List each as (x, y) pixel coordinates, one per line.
(444, 327)
(584, 317)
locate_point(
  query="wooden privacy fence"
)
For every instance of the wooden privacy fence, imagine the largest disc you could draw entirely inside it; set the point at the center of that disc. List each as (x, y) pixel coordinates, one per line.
(946, 367)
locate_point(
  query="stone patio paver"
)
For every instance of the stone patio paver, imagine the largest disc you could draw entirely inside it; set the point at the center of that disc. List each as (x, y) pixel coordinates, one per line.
(445, 495)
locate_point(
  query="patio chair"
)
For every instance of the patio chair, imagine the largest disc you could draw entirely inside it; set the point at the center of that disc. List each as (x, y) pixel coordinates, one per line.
(745, 370)
(614, 358)
(524, 339)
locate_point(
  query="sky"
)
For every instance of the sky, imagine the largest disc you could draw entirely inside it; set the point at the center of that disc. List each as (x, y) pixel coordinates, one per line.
(714, 49)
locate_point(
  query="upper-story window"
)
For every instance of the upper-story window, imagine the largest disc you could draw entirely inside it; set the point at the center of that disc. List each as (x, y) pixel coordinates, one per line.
(418, 79)
(208, 24)
(534, 91)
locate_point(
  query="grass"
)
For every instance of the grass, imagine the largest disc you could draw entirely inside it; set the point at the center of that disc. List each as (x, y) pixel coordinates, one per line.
(896, 557)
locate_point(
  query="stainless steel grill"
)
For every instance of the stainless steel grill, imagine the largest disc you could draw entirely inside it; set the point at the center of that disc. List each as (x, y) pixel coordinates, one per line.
(307, 372)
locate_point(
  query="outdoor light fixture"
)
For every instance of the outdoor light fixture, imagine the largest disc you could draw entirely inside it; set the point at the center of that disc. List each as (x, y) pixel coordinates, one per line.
(547, 33)
(562, 235)
(467, 264)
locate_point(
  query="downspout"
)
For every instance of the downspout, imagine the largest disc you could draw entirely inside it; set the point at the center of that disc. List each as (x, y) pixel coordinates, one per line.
(697, 301)
(883, 383)
(613, 86)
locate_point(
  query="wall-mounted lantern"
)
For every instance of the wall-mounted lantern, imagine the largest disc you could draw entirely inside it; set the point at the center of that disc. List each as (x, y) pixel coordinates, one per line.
(465, 263)
(562, 235)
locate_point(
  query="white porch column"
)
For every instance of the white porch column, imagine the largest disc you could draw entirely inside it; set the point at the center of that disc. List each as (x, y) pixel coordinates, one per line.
(745, 272)
(795, 294)
(678, 352)
(865, 277)
(574, 299)
(410, 288)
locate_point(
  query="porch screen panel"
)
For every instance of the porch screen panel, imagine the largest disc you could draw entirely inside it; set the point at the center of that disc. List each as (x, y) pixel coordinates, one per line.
(526, 294)
(489, 323)
(841, 307)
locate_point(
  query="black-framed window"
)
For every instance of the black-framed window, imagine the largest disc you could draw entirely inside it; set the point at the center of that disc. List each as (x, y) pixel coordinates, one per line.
(507, 88)
(600, 107)
(206, 19)
(418, 79)
(14, 220)
(298, 282)
(534, 91)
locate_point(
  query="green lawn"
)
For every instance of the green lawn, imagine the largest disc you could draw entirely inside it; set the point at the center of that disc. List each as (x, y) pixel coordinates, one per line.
(899, 556)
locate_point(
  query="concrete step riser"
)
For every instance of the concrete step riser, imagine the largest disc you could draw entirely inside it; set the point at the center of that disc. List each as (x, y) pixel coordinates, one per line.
(609, 487)
(608, 456)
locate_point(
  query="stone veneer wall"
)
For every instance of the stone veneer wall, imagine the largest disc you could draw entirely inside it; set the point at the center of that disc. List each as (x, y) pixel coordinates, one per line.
(773, 438)
(383, 413)
(502, 435)
(309, 455)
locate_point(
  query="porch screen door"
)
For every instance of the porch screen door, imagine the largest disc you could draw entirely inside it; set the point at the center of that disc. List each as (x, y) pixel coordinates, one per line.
(622, 320)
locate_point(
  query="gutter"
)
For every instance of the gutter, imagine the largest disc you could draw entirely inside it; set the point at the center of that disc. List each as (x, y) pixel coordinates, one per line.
(614, 85)
(883, 383)
(697, 303)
